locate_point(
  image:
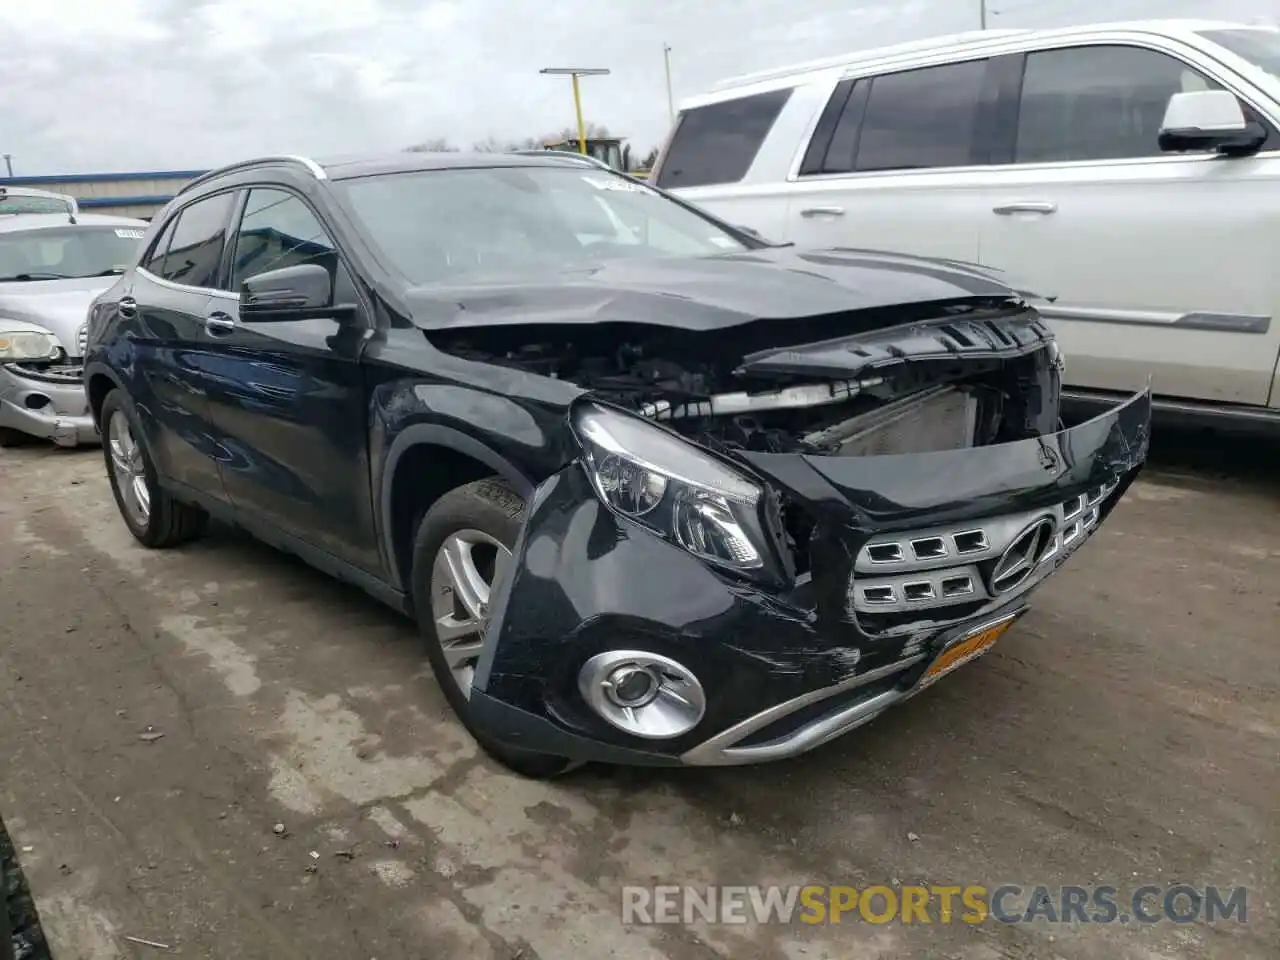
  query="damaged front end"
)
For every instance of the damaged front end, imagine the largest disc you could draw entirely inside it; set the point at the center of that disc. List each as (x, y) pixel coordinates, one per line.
(42, 391)
(761, 548)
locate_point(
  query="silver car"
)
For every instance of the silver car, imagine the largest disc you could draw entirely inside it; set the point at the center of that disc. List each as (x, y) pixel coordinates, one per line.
(51, 266)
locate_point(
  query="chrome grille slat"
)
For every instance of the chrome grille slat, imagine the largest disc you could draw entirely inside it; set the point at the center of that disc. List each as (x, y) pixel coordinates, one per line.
(970, 542)
(885, 553)
(929, 548)
(918, 591)
(961, 586)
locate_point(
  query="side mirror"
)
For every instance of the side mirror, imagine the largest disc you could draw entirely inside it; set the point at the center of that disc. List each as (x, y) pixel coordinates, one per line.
(1208, 120)
(299, 292)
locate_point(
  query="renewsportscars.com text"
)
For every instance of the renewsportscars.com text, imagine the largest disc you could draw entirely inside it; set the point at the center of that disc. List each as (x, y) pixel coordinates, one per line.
(940, 904)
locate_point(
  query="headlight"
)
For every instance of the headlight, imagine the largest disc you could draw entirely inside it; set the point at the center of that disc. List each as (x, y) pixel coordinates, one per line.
(27, 345)
(660, 481)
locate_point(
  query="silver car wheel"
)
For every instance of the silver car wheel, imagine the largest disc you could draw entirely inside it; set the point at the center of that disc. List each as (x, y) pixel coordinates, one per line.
(467, 566)
(130, 474)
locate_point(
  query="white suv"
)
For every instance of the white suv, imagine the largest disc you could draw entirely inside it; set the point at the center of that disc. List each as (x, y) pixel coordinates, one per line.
(1130, 172)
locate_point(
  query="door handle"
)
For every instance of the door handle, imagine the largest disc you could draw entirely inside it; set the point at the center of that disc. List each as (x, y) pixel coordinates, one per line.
(219, 324)
(1026, 206)
(822, 212)
(127, 308)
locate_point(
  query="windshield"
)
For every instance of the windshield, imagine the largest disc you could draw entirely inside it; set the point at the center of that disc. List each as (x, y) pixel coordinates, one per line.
(439, 225)
(65, 252)
(1259, 47)
(32, 203)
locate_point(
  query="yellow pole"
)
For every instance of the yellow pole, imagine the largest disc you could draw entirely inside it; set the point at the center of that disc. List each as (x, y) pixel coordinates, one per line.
(577, 106)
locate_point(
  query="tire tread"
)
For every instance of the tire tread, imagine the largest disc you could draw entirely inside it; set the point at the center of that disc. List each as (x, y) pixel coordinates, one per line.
(172, 522)
(489, 505)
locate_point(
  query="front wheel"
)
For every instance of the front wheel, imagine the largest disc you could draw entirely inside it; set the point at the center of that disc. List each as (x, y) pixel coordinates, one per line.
(462, 547)
(21, 936)
(154, 517)
(10, 437)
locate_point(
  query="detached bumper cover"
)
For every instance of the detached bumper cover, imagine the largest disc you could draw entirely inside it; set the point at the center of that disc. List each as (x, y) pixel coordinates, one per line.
(786, 671)
(47, 401)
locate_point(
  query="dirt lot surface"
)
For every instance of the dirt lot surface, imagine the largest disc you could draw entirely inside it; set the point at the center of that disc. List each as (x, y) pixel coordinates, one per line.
(1127, 732)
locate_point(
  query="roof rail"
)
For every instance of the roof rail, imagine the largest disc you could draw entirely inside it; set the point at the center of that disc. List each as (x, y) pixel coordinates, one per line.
(310, 166)
(959, 40)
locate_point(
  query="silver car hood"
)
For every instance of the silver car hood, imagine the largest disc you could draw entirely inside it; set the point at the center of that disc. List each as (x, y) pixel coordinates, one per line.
(59, 306)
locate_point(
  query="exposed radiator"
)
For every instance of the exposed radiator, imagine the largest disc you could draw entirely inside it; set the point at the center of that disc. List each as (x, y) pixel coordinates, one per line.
(940, 419)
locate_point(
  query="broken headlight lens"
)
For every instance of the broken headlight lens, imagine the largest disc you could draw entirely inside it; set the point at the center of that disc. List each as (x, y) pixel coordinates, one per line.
(655, 478)
(18, 345)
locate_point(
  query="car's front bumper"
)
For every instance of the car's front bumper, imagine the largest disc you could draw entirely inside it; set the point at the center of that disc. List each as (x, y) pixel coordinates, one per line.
(47, 402)
(785, 671)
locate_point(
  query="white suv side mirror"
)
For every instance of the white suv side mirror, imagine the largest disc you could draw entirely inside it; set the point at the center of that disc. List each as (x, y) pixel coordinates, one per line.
(1208, 120)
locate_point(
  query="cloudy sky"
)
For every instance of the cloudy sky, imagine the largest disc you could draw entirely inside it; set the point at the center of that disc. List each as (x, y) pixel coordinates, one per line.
(105, 85)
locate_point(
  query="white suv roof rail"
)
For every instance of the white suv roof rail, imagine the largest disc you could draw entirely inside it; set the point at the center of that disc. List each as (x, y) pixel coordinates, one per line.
(972, 37)
(309, 165)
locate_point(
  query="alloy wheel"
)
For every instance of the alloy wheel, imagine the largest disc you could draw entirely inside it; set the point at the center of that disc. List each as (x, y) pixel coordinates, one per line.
(130, 472)
(467, 566)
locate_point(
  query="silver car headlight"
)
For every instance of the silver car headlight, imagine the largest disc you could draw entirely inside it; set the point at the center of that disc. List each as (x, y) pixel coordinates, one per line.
(25, 345)
(660, 481)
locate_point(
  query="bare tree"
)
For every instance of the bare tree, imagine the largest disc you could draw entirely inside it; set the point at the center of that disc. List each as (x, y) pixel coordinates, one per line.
(491, 144)
(434, 145)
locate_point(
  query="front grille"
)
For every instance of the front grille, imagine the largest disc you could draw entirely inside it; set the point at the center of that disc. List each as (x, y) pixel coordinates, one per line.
(947, 572)
(82, 338)
(61, 371)
(943, 418)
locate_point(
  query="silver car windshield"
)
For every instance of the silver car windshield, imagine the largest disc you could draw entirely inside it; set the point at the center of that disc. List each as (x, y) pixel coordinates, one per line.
(438, 225)
(63, 253)
(12, 203)
(1260, 47)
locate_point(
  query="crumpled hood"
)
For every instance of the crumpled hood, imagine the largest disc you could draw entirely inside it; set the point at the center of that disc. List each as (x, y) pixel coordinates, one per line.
(59, 306)
(707, 293)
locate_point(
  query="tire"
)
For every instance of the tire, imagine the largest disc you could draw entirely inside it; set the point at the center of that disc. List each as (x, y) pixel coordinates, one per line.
(10, 437)
(163, 521)
(474, 521)
(21, 936)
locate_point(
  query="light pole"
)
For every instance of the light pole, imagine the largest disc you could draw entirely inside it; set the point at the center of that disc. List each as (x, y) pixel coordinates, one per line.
(575, 73)
(666, 63)
(8, 164)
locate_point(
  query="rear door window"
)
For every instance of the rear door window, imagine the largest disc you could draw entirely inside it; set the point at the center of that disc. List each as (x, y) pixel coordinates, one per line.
(195, 252)
(919, 119)
(717, 144)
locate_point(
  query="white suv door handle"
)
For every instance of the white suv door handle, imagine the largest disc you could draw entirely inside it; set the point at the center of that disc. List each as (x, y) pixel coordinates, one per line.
(822, 212)
(1026, 206)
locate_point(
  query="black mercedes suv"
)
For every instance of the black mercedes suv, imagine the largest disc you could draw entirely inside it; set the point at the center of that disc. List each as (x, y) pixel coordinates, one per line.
(656, 491)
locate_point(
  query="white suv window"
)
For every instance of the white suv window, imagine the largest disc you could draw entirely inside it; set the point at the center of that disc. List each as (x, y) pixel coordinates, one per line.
(717, 143)
(1098, 102)
(921, 118)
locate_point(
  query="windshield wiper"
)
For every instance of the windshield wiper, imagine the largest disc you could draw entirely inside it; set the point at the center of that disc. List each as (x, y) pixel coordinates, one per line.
(38, 275)
(109, 272)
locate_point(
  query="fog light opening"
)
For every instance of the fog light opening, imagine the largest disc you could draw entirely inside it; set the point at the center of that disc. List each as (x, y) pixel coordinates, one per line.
(35, 401)
(644, 694)
(632, 685)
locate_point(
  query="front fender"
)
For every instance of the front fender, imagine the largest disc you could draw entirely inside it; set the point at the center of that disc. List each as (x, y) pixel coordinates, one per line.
(520, 440)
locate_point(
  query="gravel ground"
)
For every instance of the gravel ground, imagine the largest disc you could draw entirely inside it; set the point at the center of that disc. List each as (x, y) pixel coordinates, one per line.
(219, 751)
